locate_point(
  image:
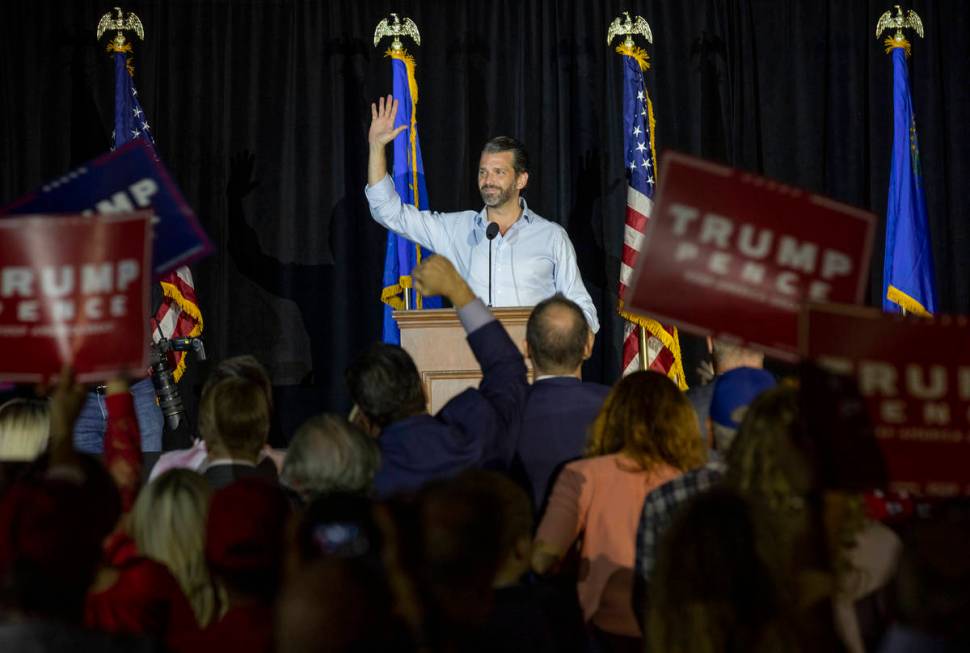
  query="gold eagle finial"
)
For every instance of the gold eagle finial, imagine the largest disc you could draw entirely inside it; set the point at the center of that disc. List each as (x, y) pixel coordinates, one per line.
(121, 23)
(628, 28)
(898, 22)
(394, 26)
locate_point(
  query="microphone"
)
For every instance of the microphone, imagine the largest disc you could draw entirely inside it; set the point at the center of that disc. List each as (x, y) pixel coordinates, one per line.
(491, 231)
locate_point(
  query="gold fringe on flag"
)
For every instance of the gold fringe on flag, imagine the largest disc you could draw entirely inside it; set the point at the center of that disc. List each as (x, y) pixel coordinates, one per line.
(391, 294)
(173, 293)
(906, 302)
(637, 54)
(893, 43)
(668, 340)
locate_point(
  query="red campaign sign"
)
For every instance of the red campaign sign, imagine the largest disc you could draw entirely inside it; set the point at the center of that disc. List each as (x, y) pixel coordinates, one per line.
(75, 290)
(913, 375)
(732, 254)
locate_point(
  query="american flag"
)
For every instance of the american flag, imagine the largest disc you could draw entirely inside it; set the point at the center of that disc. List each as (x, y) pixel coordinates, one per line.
(178, 316)
(663, 348)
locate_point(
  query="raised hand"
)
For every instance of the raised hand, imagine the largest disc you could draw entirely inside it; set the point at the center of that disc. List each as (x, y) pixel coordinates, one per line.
(382, 116)
(67, 399)
(437, 276)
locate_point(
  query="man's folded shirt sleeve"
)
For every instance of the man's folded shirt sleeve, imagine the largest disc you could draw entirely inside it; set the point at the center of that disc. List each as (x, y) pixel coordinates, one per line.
(474, 315)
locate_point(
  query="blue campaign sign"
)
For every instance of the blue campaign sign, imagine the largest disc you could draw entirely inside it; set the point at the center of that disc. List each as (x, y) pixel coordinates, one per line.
(127, 179)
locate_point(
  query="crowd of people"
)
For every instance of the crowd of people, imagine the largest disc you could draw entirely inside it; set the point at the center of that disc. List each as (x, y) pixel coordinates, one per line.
(559, 515)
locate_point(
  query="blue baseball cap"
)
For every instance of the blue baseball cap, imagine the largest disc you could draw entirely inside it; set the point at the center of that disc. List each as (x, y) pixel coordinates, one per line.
(734, 391)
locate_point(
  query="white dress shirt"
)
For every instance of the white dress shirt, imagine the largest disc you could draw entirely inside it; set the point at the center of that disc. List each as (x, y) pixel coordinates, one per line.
(533, 261)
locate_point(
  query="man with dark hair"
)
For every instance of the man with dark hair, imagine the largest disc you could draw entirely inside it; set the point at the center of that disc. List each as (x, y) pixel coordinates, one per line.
(385, 384)
(520, 157)
(472, 429)
(560, 406)
(531, 258)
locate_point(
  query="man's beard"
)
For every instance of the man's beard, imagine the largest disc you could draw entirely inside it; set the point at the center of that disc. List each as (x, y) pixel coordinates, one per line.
(496, 196)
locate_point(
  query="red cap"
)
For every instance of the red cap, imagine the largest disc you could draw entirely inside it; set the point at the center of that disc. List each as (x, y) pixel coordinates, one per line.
(245, 528)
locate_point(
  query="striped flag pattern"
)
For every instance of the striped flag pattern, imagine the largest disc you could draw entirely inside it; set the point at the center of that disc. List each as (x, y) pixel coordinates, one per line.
(663, 349)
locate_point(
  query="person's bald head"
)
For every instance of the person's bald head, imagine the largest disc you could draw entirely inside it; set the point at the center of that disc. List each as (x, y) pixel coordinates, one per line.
(558, 337)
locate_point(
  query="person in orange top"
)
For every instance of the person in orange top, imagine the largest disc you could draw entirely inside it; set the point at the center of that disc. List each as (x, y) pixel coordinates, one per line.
(645, 435)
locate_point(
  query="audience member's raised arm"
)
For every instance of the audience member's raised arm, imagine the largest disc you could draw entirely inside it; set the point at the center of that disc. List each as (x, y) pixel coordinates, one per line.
(122, 442)
(66, 403)
(504, 382)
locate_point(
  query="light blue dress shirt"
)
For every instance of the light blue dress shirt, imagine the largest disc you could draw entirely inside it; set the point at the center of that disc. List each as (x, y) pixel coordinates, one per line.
(533, 260)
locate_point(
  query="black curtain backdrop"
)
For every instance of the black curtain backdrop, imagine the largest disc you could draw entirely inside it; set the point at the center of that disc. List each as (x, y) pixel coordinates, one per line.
(797, 90)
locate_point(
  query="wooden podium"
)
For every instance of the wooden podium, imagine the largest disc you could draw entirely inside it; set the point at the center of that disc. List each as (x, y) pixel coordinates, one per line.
(436, 341)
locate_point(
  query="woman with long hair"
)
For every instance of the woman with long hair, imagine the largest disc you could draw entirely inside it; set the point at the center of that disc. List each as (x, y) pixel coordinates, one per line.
(168, 524)
(645, 435)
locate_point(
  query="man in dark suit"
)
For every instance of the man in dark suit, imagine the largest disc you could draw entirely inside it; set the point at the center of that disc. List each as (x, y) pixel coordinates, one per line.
(560, 406)
(471, 428)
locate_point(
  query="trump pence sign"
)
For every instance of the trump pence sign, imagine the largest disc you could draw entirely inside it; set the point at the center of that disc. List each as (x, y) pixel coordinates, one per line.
(732, 254)
(913, 376)
(74, 290)
(128, 179)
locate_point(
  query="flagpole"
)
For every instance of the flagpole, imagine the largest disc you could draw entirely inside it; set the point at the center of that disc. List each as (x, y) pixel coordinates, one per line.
(908, 273)
(396, 27)
(640, 331)
(643, 353)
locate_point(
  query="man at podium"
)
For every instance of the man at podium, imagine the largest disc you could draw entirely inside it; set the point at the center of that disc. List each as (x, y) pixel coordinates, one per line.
(530, 257)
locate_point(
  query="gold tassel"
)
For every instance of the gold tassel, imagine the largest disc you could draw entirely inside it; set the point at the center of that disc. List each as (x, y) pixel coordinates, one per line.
(638, 54)
(893, 43)
(118, 49)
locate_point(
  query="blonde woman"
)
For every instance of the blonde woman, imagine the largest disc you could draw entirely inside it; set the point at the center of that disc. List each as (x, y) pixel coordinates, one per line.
(24, 429)
(168, 525)
(645, 435)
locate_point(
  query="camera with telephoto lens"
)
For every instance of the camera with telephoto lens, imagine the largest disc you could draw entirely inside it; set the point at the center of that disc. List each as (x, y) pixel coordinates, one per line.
(167, 391)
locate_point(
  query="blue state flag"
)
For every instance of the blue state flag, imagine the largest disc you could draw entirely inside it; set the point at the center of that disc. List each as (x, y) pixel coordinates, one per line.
(908, 273)
(403, 255)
